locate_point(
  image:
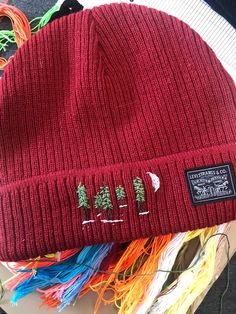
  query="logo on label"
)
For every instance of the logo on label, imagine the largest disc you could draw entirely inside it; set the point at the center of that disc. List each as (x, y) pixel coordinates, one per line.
(213, 183)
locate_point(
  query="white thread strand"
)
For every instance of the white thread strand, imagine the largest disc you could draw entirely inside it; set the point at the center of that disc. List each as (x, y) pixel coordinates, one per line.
(107, 221)
(144, 213)
(58, 256)
(166, 301)
(87, 221)
(166, 261)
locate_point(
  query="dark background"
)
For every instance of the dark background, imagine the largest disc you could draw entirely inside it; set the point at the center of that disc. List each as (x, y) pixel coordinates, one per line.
(211, 303)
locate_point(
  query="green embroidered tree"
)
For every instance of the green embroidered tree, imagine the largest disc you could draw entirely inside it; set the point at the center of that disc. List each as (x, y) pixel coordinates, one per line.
(139, 191)
(83, 200)
(103, 200)
(120, 193)
(121, 196)
(106, 201)
(98, 201)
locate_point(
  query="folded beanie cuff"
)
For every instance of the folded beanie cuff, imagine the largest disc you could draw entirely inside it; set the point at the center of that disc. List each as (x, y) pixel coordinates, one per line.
(48, 213)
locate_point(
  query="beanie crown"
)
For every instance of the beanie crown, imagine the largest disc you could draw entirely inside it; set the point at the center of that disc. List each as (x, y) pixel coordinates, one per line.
(106, 116)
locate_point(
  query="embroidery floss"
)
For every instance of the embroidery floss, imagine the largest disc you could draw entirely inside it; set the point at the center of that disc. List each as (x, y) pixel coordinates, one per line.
(20, 33)
(131, 290)
(166, 261)
(126, 270)
(202, 276)
(95, 258)
(123, 278)
(43, 20)
(85, 263)
(179, 295)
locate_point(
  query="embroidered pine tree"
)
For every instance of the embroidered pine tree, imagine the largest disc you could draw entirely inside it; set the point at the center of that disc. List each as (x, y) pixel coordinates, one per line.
(83, 200)
(103, 201)
(121, 195)
(98, 202)
(139, 192)
(106, 201)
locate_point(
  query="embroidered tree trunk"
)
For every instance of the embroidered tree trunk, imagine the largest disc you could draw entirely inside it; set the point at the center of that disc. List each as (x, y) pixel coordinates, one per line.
(83, 200)
(139, 192)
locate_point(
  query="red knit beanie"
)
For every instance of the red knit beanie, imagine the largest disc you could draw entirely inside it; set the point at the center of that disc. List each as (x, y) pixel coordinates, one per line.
(117, 123)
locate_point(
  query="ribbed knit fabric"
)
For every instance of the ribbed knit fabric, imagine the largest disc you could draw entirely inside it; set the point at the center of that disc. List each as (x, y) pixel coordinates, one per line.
(99, 98)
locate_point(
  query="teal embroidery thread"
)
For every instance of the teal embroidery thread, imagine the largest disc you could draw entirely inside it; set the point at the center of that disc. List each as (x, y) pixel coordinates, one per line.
(83, 200)
(139, 192)
(121, 196)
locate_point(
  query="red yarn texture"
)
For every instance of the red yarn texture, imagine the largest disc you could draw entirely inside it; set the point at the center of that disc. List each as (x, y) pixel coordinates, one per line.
(101, 97)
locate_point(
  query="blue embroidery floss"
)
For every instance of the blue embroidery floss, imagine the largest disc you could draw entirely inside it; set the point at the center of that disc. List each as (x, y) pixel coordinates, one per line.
(93, 260)
(83, 263)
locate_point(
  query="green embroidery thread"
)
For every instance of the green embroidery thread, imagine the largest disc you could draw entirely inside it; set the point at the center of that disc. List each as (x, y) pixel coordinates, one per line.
(103, 200)
(120, 193)
(139, 191)
(98, 201)
(121, 196)
(83, 200)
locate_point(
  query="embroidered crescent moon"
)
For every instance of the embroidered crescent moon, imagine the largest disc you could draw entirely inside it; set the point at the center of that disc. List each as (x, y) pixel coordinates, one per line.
(155, 180)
